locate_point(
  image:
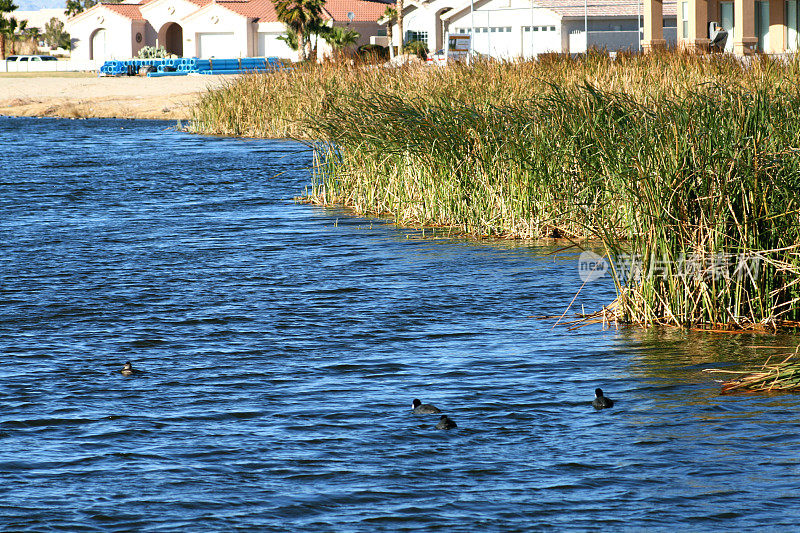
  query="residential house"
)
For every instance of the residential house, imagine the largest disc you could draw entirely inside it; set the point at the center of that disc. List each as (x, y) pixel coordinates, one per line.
(38, 19)
(203, 28)
(769, 26)
(523, 28)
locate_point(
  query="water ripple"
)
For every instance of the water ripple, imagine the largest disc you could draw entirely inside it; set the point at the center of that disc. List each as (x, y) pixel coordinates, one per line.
(282, 345)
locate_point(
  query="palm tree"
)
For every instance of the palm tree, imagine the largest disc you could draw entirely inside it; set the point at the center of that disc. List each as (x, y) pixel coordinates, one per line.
(7, 25)
(400, 7)
(290, 39)
(19, 35)
(340, 38)
(390, 15)
(300, 16)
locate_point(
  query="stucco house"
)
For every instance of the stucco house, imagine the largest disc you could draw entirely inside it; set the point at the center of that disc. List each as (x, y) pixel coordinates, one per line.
(38, 19)
(509, 29)
(202, 28)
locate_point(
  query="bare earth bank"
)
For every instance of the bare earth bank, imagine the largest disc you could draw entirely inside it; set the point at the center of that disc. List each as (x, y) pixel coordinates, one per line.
(124, 97)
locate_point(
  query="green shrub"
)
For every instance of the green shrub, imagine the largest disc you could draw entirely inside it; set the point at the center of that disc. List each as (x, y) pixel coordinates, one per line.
(151, 52)
(417, 47)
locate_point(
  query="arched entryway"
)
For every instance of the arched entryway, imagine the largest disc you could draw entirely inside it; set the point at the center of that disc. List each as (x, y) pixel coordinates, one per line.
(97, 47)
(171, 38)
(440, 30)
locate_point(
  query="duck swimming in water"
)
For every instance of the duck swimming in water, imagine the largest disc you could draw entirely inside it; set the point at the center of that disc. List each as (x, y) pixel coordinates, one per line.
(600, 401)
(420, 408)
(128, 370)
(446, 423)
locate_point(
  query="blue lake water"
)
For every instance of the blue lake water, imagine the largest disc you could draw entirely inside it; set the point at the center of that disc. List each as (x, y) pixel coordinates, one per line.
(282, 345)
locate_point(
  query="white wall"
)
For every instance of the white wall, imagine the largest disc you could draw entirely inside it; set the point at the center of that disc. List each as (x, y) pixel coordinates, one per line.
(119, 34)
(421, 19)
(214, 19)
(38, 19)
(71, 65)
(267, 43)
(503, 29)
(161, 12)
(602, 34)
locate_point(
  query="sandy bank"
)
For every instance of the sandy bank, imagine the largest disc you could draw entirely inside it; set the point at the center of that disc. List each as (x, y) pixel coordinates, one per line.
(134, 97)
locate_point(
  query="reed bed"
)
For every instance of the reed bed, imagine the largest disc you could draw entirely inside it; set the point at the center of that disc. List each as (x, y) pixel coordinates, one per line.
(685, 168)
(280, 105)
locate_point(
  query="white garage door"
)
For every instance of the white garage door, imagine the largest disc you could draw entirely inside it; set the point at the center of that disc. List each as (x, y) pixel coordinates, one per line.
(545, 39)
(496, 41)
(219, 45)
(270, 46)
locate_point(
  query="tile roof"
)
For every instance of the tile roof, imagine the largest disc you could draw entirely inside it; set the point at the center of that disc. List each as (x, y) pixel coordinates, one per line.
(575, 8)
(130, 11)
(262, 10)
(364, 10)
(601, 8)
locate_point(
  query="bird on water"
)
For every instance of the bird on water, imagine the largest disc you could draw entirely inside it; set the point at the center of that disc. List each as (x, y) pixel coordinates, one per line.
(128, 370)
(600, 401)
(420, 408)
(446, 423)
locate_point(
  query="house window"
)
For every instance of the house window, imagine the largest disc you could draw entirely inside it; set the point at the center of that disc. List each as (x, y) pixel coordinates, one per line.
(762, 25)
(685, 19)
(792, 25)
(412, 36)
(726, 20)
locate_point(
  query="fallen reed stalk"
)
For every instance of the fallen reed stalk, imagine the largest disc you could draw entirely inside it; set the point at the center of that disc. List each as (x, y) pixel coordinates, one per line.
(782, 376)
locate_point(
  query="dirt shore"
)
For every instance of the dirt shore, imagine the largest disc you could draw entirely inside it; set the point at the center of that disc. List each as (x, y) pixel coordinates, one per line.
(91, 97)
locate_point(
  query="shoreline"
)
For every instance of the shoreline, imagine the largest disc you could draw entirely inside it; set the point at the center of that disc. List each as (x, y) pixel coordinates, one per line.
(108, 97)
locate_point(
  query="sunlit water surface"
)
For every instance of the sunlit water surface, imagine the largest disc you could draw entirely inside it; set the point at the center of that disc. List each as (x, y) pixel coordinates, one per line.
(283, 344)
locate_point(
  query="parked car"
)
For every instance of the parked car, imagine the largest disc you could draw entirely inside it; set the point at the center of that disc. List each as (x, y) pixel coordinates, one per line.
(20, 59)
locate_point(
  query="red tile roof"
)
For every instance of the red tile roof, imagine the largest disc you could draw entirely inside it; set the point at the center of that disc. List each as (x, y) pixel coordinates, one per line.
(264, 10)
(364, 10)
(130, 11)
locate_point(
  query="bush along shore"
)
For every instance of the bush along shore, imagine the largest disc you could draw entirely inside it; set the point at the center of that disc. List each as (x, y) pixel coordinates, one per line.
(685, 169)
